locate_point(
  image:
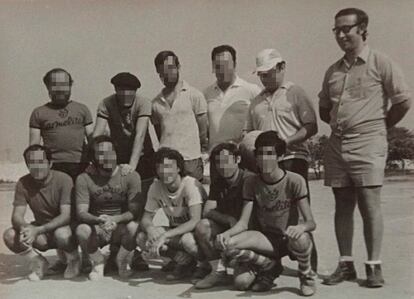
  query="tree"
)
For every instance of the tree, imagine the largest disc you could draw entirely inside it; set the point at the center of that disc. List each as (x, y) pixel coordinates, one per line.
(400, 146)
(316, 148)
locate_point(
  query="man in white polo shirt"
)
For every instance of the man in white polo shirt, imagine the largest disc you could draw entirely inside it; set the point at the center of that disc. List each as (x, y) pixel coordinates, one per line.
(285, 108)
(228, 99)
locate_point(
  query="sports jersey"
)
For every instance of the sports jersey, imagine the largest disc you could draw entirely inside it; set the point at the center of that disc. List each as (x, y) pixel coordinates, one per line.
(175, 204)
(44, 198)
(274, 201)
(109, 196)
(63, 130)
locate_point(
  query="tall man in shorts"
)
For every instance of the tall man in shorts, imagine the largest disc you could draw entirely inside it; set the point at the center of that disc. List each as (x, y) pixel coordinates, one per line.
(48, 194)
(273, 192)
(181, 198)
(128, 116)
(107, 205)
(62, 124)
(354, 101)
(179, 114)
(222, 210)
(284, 107)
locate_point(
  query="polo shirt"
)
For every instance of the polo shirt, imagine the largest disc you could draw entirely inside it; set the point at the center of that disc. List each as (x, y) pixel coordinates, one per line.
(358, 95)
(286, 111)
(227, 111)
(179, 128)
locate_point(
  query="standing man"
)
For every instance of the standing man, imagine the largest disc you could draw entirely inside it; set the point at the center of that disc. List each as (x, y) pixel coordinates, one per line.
(128, 116)
(228, 99)
(285, 108)
(62, 124)
(354, 101)
(179, 114)
(107, 204)
(48, 195)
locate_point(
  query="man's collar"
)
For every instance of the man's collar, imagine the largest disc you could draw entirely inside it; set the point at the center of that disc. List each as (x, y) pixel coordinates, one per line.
(237, 83)
(363, 55)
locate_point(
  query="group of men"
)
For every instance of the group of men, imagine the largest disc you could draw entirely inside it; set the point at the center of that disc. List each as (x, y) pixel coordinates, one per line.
(89, 187)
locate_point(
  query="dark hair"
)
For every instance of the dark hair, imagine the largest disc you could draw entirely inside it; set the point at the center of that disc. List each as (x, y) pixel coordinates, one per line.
(172, 154)
(37, 147)
(97, 140)
(162, 56)
(228, 146)
(46, 78)
(222, 49)
(270, 138)
(362, 18)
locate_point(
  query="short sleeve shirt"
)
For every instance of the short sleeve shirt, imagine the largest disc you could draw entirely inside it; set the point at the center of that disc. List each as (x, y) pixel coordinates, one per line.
(286, 111)
(44, 199)
(227, 111)
(273, 202)
(122, 124)
(358, 95)
(63, 130)
(179, 128)
(109, 196)
(175, 204)
(229, 198)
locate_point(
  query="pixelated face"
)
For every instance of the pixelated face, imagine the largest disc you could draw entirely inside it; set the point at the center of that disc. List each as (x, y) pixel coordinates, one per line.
(105, 156)
(347, 34)
(223, 67)
(38, 164)
(125, 97)
(226, 164)
(266, 158)
(169, 72)
(167, 171)
(273, 78)
(59, 88)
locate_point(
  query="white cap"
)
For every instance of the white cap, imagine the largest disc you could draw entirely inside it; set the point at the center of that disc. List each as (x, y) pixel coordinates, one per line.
(267, 59)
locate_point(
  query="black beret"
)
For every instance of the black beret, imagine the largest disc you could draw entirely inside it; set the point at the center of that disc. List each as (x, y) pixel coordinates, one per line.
(126, 80)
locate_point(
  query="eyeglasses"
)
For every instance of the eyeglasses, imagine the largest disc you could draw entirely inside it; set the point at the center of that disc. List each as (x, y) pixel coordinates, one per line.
(345, 29)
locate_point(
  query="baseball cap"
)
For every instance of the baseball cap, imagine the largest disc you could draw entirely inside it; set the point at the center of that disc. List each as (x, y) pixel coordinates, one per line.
(127, 80)
(267, 59)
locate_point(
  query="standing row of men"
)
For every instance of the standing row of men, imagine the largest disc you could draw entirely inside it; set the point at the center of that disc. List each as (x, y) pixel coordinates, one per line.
(354, 101)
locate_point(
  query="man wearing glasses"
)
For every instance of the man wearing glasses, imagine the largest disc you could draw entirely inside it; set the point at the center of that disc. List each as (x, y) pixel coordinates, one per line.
(354, 101)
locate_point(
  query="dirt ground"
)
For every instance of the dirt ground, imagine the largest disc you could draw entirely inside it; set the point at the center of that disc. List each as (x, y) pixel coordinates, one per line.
(397, 257)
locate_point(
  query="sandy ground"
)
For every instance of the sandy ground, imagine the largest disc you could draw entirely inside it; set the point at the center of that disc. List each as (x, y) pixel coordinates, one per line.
(397, 255)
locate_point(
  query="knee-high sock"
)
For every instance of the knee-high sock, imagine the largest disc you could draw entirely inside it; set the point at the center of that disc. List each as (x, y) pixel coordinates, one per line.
(304, 259)
(251, 257)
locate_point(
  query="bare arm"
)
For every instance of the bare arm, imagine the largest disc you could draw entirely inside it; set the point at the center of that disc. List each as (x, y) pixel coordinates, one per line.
(396, 113)
(82, 211)
(243, 223)
(100, 127)
(141, 130)
(61, 220)
(202, 123)
(303, 134)
(17, 218)
(34, 136)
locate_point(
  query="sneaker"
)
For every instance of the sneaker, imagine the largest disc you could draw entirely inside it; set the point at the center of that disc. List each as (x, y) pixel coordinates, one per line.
(169, 267)
(38, 266)
(213, 279)
(307, 283)
(138, 263)
(344, 271)
(374, 276)
(264, 279)
(72, 269)
(182, 271)
(201, 271)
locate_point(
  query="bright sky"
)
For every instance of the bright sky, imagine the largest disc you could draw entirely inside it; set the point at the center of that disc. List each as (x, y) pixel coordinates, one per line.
(94, 40)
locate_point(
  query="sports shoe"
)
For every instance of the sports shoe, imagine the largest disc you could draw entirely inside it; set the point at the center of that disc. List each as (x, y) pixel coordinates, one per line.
(374, 276)
(264, 279)
(181, 271)
(344, 271)
(213, 279)
(38, 266)
(307, 283)
(168, 267)
(201, 271)
(138, 263)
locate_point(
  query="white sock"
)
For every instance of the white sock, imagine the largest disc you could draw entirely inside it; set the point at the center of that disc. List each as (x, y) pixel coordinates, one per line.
(96, 257)
(346, 258)
(377, 262)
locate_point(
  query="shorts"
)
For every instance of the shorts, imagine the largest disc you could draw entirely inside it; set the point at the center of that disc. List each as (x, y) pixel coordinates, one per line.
(279, 244)
(72, 169)
(355, 162)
